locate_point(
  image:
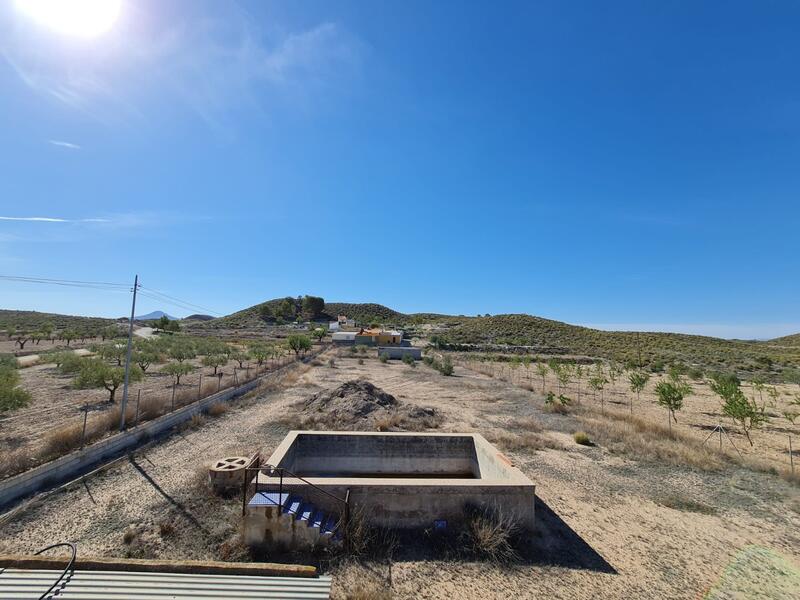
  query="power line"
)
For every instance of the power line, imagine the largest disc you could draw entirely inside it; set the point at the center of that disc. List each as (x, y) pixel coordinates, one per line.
(67, 282)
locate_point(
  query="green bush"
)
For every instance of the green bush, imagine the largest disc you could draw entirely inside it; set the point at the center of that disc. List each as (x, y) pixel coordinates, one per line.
(384, 358)
(12, 397)
(409, 360)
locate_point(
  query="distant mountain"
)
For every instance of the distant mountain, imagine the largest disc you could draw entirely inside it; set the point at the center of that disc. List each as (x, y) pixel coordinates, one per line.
(153, 316)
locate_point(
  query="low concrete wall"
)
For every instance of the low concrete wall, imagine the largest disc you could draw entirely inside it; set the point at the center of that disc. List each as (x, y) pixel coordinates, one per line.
(82, 461)
(398, 352)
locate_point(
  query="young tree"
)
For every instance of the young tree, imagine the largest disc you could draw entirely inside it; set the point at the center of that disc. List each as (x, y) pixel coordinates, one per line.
(215, 360)
(541, 369)
(319, 333)
(638, 381)
(598, 383)
(409, 360)
(564, 375)
(299, 343)
(177, 370)
(95, 373)
(670, 396)
(745, 413)
(21, 338)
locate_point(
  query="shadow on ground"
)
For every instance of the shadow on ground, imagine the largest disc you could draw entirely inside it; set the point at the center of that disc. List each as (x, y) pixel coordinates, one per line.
(556, 544)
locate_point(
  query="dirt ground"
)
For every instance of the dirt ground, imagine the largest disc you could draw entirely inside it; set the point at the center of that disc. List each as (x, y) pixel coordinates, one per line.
(608, 526)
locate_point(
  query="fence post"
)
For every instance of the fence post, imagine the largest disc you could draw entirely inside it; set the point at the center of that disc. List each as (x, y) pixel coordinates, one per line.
(244, 490)
(219, 382)
(200, 387)
(791, 454)
(138, 398)
(85, 416)
(173, 396)
(235, 379)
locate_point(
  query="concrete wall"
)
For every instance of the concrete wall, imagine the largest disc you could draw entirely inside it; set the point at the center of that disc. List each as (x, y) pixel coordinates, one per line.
(347, 456)
(329, 459)
(398, 352)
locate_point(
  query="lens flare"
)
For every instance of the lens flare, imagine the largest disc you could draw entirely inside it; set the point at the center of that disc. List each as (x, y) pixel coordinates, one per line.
(82, 18)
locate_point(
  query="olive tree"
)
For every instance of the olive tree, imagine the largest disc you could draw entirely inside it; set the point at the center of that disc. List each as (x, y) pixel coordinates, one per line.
(12, 396)
(96, 373)
(215, 361)
(177, 370)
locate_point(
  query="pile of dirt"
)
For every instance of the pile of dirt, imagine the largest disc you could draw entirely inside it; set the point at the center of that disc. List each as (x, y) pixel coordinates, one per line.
(358, 405)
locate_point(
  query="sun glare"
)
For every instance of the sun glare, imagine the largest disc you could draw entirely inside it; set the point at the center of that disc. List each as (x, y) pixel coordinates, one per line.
(84, 18)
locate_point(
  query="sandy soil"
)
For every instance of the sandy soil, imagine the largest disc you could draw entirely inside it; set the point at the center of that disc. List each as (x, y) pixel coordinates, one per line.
(608, 526)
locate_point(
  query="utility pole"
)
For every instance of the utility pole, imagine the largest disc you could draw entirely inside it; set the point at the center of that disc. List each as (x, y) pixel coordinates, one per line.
(128, 357)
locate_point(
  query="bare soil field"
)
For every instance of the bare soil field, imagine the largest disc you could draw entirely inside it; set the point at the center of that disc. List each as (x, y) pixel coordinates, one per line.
(609, 524)
(699, 417)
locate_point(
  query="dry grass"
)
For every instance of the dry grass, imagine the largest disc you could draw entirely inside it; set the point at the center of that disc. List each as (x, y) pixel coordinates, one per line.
(644, 439)
(369, 590)
(490, 534)
(524, 442)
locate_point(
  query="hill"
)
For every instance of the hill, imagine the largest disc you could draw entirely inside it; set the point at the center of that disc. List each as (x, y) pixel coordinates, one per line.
(288, 309)
(657, 349)
(29, 320)
(544, 336)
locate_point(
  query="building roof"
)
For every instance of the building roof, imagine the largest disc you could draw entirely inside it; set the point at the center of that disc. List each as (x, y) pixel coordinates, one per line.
(29, 583)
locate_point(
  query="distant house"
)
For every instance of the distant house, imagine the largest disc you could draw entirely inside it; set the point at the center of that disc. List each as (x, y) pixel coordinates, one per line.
(344, 338)
(379, 337)
(345, 322)
(333, 326)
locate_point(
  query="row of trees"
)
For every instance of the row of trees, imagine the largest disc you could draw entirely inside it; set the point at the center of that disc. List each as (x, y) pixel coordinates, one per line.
(671, 392)
(68, 335)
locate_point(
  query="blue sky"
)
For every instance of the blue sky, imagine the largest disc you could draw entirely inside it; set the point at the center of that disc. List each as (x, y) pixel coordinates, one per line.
(620, 164)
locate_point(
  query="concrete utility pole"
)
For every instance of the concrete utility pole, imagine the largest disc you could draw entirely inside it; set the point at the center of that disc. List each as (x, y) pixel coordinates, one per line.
(128, 357)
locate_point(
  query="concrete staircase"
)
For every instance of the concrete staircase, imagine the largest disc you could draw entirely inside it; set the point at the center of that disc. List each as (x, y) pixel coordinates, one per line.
(287, 519)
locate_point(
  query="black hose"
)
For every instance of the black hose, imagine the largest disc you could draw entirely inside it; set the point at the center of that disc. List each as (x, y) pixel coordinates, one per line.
(67, 569)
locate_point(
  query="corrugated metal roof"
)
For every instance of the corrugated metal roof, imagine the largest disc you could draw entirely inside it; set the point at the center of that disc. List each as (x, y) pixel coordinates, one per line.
(24, 584)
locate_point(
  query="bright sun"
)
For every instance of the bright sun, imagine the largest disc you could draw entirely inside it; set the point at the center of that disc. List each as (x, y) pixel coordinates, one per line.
(85, 18)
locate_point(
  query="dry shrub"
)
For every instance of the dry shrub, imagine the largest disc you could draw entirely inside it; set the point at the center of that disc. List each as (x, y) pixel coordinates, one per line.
(14, 461)
(234, 550)
(529, 424)
(217, 409)
(645, 439)
(490, 534)
(63, 439)
(556, 408)
(581, 438)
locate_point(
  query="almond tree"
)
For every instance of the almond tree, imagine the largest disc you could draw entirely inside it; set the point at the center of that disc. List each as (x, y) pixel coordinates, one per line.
(743, 411)
(638, 381)
(670, 395)
(541, 369)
